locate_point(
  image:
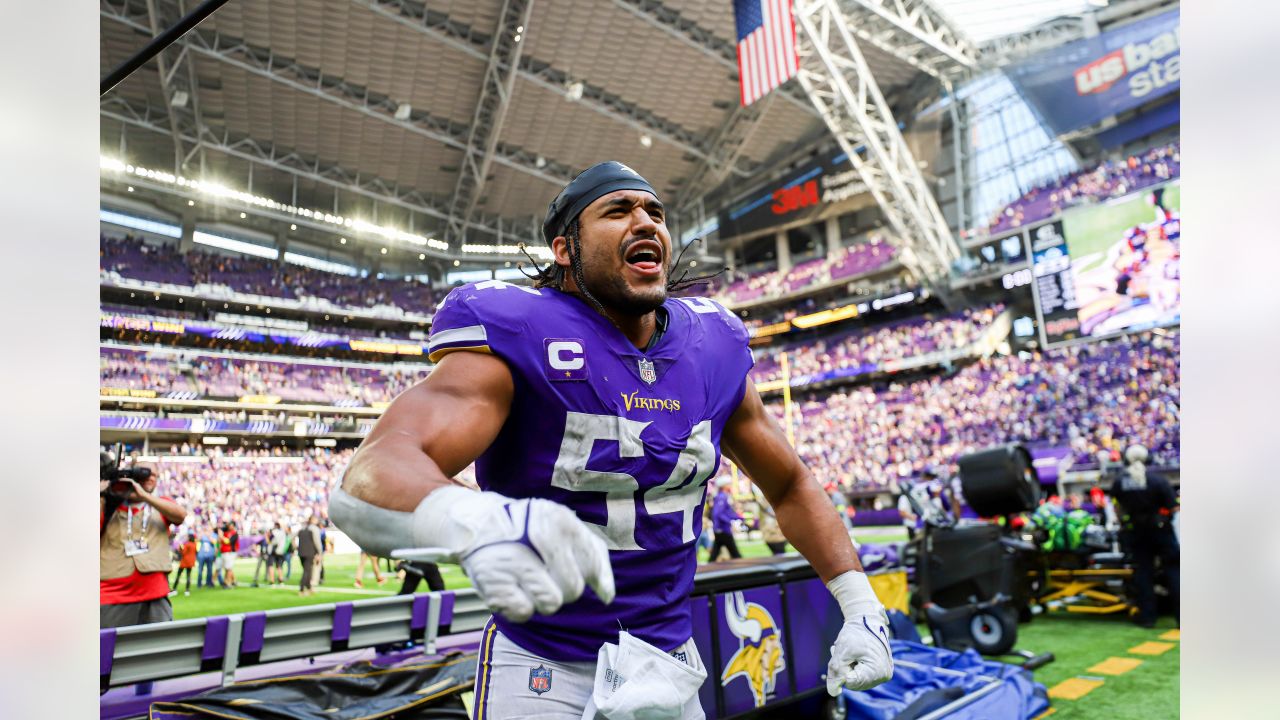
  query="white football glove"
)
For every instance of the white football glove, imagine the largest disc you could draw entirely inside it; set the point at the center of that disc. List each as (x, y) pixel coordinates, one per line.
(523, 556)
(860, 657)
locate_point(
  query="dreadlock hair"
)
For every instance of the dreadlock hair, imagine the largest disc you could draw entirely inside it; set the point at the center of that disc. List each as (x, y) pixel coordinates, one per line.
(553, 275)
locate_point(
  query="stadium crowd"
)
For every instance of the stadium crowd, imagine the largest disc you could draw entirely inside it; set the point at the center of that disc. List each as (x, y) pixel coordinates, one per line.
(130, 257)
(741, 287)
(1101, 396)
(860, 347)
(252, 488)
(229, 376)
(1110, 179)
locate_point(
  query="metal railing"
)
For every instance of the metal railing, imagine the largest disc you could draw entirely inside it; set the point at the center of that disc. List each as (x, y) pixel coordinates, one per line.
(159, 651)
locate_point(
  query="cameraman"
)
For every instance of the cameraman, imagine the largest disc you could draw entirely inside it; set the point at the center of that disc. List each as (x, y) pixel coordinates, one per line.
(133, 549)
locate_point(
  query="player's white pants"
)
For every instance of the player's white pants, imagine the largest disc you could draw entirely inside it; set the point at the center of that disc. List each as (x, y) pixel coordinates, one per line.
(513, 683)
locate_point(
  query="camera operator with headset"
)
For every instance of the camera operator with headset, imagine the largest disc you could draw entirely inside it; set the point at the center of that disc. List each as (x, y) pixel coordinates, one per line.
(133, 546)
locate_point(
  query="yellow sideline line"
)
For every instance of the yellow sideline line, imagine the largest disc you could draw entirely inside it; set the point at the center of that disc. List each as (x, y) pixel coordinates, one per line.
(1074, 688)
(1151, 647)
(1115, 666)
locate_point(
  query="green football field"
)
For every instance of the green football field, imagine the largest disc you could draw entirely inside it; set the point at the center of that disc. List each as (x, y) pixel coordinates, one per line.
(1079, 642)
(339, 582)
(1092, 230)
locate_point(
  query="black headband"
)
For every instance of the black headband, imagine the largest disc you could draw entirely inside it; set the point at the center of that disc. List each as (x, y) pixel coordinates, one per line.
(593, 183)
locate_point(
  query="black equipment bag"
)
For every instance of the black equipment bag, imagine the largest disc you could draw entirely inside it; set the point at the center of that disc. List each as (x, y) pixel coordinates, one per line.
(427, 689)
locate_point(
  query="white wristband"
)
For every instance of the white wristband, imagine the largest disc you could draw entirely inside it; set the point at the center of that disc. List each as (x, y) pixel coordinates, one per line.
(852, 591)
(450, 517)
(375, 529)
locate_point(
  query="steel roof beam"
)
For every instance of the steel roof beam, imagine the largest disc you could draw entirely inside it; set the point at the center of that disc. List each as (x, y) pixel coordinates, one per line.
(914, 32)
(268, 156)
(699, 38)
(1001, 51)
(311, 81)
(842, 86)
(490, 113)
(177, 84)
(726, 147)
(462, 38)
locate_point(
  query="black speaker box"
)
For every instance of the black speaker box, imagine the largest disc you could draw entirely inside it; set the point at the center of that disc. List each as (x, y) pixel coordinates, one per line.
(1000, 481)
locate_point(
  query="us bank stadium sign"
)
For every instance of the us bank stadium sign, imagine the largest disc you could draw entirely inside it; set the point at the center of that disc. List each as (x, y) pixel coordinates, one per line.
(1085, 81)
(803, 196)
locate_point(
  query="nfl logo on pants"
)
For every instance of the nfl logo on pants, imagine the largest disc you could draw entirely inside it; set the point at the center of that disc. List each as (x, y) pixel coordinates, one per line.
(539, 679)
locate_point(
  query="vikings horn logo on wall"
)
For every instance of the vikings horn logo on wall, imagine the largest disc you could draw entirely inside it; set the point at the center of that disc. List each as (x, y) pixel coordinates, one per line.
(759, 657)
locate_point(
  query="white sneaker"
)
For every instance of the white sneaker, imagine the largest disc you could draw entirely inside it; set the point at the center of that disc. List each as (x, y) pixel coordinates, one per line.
(187, 593)
(173, 593)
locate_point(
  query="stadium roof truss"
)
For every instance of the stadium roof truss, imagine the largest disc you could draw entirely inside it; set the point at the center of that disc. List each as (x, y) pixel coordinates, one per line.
(843, 86)
(460, 118)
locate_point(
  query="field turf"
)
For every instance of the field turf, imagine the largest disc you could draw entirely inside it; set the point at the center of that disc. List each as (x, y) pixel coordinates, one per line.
(340, 572)
(1081, 642)
(1078, 642)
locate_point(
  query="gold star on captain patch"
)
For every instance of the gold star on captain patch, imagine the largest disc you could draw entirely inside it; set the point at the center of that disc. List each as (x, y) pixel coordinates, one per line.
(567, 373)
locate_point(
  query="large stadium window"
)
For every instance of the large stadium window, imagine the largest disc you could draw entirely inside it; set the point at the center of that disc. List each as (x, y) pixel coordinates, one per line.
(1011, 150)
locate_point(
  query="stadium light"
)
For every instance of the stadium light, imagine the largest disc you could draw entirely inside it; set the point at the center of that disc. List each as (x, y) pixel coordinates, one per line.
(226, 243)
(542, 252)
(138, 223)
(318, 264)
(210, 187)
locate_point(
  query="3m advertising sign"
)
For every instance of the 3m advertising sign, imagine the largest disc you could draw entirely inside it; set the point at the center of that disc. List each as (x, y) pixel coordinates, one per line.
(1085, 81)
(804, 195)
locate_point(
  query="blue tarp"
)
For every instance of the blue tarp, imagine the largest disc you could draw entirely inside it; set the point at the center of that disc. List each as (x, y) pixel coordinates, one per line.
(998, 690)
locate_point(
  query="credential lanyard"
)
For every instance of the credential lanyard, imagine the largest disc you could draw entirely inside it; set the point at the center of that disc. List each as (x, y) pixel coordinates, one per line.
(146, 518)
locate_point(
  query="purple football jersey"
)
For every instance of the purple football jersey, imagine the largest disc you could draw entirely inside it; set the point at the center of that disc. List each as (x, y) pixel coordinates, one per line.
(624, 438)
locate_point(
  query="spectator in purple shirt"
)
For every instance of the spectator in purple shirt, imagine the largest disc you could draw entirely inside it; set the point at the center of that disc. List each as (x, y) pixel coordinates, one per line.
(722, 517)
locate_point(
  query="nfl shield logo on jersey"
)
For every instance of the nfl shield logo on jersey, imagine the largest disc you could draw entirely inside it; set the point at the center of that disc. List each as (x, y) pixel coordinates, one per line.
(540, 679)
(647, 372)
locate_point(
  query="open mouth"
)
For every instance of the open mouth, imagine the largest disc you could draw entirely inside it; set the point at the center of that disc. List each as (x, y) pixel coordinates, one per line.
(645, 257)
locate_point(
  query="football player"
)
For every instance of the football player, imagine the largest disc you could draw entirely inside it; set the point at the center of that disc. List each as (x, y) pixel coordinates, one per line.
(595, 406)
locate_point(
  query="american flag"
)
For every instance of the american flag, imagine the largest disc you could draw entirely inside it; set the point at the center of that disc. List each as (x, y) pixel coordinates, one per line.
(766, 46)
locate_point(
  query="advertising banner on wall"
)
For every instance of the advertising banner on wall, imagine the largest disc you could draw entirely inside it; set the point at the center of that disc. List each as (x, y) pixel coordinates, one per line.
(803, 195)
(1082, 82)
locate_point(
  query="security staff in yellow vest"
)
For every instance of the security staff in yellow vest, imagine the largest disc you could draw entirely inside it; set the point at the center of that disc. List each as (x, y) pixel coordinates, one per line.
(134, 558)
